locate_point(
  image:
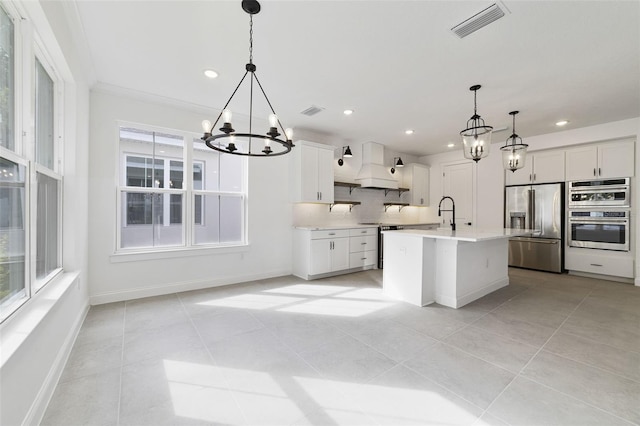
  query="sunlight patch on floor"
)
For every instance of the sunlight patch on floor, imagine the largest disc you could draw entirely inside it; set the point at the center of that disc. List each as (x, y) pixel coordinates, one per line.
(336, 307)
(252, 301)
(310, 289)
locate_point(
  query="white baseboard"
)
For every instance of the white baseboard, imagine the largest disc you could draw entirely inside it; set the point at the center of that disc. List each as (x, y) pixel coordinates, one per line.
(458, 302)
(160, 290)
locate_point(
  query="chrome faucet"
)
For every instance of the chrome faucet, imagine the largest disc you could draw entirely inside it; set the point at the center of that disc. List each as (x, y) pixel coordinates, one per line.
(453, 211)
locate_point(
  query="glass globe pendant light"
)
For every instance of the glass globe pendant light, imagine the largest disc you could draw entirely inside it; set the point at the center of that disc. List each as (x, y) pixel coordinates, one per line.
(514, 152)
(476, 138)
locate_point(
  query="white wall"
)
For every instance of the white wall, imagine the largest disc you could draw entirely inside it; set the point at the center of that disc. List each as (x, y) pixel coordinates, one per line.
(120, 277)
(37, 339)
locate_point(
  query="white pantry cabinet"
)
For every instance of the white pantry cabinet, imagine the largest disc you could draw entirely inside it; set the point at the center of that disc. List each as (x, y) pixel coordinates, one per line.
(540, 167)
(416, 177)
(319, 253)
(312, 176)
(605, 160)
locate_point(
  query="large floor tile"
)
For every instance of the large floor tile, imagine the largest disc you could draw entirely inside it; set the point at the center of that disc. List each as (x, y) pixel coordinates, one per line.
(102, 322)
(501, 351)
(597, 326)
(348, 359)
(93, 357)
(515, 328)
(168, 342)
(89, 400)
(403, 397)
(215, 327)
(470, 377)
(395, 340)
(602, 389)
(258, 351)
(153, 313)
(623, 362)
(433, 321)
(528, 403)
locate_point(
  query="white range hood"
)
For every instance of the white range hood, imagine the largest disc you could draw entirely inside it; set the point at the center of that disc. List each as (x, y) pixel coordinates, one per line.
(373, 173)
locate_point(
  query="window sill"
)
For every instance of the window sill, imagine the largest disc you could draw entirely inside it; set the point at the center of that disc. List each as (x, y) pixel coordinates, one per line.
(17, 328)
(172, 253)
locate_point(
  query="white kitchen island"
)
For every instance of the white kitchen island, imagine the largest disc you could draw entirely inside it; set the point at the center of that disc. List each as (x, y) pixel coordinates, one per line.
(451, 268)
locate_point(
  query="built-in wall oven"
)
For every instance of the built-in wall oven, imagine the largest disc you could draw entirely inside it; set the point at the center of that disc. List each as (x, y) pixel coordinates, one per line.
(599, 193)
(599, 229)
(599, 214)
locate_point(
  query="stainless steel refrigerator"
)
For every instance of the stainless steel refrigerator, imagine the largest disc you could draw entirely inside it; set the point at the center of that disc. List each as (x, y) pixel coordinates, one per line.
(541, 209)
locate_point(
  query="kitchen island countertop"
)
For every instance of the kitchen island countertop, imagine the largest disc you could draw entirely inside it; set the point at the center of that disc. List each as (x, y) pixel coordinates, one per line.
(467, 234)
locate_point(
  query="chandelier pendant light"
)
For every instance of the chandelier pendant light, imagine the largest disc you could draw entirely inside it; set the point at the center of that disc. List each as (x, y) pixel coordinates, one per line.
(514, 152)
(229, 135)
(476, 138)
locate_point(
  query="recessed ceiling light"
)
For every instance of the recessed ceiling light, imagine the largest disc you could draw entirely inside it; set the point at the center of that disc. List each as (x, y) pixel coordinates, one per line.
(348, 111)
(210, 73)
(451, 145)
(409, 132)
(562, 123)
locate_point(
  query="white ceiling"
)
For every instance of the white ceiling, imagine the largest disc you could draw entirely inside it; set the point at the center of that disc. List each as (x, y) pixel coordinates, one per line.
(396, 63)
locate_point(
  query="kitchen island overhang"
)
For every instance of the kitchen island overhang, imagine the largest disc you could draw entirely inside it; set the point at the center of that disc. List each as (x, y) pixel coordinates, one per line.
(451, 268)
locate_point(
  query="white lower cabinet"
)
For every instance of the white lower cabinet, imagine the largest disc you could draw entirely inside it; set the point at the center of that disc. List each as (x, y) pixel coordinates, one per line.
(363, 247)
(323, 252)
(601, 262)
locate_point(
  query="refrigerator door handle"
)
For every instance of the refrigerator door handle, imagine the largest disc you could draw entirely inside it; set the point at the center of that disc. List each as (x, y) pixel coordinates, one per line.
(531, 213)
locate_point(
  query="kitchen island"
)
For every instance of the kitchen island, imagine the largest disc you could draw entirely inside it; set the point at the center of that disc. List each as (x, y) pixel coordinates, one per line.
(448, 267)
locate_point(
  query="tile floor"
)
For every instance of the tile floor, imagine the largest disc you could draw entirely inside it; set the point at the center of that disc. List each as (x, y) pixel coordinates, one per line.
(546, 350)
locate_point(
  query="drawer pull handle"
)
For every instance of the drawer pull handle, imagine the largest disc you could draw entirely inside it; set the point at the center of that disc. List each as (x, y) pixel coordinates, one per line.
(364, 244)
(596, 264)
(363, 258)
(332, 233)
(363, 232)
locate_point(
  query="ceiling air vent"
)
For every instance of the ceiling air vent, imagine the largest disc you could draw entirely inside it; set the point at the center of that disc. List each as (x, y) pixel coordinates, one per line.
(479, 20)
(312, 110)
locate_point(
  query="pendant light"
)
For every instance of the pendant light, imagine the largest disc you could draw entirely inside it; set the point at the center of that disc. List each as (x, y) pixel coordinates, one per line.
(476, 138)
(346, 153)
(397, 162)
(229, 134)
(514, 152)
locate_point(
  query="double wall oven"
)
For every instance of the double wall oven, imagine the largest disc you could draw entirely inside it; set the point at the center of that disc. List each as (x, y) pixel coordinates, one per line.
(599, 214)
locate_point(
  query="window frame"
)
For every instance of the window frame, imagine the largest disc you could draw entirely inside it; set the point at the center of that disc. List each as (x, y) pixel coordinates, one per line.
(188, 192)
(28, 48)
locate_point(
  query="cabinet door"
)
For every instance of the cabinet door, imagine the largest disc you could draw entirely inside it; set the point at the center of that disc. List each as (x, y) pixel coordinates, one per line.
(616, 159)
(582, 163)
(321, 256)
(521, 176)
(309, 171)
(340, 254)
(548, 167)
(325, 175)
(421, 178)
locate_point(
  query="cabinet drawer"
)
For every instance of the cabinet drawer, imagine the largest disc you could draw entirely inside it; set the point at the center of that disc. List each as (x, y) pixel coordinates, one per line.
(363, 231)
(364, 243)
(365, 258)
(329, 233)
(595, 262)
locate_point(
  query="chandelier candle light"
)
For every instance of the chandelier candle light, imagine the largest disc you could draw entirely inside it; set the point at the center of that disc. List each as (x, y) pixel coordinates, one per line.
(514, 154)
(476, 138)
(281, 146)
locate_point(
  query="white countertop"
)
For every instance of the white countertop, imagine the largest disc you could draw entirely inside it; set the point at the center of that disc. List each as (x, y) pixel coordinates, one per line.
(330, 227)
(467, 234)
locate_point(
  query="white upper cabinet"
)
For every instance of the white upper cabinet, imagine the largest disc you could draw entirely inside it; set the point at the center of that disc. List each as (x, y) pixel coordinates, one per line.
(606, 160)
(416, 178)
(312, 173)
(540, 167)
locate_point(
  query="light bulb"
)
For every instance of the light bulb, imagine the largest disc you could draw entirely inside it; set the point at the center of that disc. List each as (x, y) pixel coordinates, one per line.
(289, 133)
(226, 116)
(273, 120)
(206, 126)
(267, 142)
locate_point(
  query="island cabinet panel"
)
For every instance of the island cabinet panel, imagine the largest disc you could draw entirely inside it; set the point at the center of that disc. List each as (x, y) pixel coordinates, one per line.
(606, 160)
(312, 171)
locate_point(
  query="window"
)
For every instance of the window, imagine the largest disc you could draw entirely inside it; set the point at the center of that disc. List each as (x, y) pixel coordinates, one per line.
(165, 204)
(30, 178)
